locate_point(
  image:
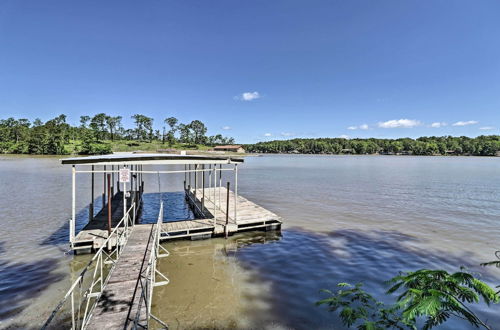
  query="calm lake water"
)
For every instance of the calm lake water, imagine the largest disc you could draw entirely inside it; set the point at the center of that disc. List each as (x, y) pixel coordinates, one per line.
(346, 218)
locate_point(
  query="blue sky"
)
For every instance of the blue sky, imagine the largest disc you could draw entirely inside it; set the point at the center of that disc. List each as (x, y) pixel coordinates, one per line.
(258, 70)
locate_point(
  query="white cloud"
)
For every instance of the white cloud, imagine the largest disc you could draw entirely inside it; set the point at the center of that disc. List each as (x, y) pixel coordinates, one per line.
(364, 126)
(395, 123)
(343, 136)
(286, 134)
(487, 128)
(438, 124)
(465, 123)
(226, 128)
(248, 96)
(268, 134)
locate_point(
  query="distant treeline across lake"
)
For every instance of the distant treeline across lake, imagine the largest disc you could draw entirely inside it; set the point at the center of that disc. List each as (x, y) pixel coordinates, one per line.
(102, 134)
(446, 145)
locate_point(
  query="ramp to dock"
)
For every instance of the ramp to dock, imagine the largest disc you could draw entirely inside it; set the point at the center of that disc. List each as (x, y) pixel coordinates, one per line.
(119, 303)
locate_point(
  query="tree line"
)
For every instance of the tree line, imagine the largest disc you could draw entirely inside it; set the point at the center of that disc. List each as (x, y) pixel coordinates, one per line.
(95, 135)
(446, 145)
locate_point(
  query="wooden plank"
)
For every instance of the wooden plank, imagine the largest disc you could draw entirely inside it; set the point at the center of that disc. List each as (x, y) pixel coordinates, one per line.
(247, 212)
(120, 297)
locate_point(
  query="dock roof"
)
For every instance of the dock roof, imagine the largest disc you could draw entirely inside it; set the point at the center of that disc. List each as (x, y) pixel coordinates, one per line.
(150, 159)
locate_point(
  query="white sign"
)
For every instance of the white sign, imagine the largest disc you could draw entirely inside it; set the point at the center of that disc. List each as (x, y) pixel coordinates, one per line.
(124, 175)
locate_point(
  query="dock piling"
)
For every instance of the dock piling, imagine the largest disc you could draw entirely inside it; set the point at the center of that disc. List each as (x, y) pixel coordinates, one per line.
(73, 205)
(104, 187)
(203, 189)
(109, 204)
(226, 229)
(91, 206)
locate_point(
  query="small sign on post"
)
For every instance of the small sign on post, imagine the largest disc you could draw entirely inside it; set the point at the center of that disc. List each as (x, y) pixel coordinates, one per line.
(124, 175)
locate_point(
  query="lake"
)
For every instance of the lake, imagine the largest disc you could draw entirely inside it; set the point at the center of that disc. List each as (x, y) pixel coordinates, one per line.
(346, 219)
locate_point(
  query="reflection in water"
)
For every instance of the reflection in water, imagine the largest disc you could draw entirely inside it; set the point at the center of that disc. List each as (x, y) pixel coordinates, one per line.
(239, 283)
(20, 282)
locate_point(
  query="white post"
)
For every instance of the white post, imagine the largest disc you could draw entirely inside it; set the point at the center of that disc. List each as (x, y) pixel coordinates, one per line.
(213, 200)
(235, 190)
(209, 178)
(73, 206)
(220, 183)
(195, 179)
(125, 200)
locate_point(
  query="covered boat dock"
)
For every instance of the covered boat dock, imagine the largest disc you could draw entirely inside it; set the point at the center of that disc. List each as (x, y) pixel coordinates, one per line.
(218, 210)
(115, 289)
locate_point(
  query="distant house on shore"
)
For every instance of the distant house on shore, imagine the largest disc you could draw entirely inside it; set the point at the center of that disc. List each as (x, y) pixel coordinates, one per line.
(168, 151)
(231, 148)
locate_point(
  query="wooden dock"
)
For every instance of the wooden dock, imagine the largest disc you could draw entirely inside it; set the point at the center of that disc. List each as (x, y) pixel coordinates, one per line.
(249, 216)
(118, 304)
(114, 290)
(211, 222)
(95, 232)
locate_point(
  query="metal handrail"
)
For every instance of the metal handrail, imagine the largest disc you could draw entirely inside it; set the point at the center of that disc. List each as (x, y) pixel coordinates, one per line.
(79, 320)
(148, 280)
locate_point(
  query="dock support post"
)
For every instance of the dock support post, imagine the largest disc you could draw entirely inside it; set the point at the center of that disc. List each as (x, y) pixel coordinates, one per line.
(118, 180)
(112, 180)
(213, 200)
(226, 229)
(109, 205)
(203, 190)
(220, 184)
(132, 184)
(125, 199)
(104, 187)
(195, 179)
(73, 206)
(91, 206)
(235, 191)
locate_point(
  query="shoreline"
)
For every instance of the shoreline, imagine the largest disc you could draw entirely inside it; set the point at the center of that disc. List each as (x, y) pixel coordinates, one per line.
(256, 154)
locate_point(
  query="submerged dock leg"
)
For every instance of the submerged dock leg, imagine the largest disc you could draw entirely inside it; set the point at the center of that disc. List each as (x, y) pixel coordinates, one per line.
(226, 227)
(73, 206)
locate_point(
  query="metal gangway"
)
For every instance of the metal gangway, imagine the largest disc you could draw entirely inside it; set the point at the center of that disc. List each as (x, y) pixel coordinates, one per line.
(84, 298)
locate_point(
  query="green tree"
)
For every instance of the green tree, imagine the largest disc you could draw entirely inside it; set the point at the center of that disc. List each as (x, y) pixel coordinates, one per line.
(185, 133)
(172, 122)
(199, 130)
(113, 123)
(434, 295)
(84, 120)
(144, 127)
(98, 125)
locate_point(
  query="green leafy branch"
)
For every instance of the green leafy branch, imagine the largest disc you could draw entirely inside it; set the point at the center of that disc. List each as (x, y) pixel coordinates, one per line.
(434, 295)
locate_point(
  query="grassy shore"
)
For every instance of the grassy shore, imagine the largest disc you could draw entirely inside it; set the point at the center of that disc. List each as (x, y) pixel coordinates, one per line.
(74, 146)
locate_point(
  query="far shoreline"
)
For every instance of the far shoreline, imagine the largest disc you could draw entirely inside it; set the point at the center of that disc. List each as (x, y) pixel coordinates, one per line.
(260, 155)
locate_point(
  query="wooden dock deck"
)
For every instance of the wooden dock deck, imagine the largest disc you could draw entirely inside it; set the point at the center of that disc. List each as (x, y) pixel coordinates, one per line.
(119, 302)
(95, 232)
(213, 210)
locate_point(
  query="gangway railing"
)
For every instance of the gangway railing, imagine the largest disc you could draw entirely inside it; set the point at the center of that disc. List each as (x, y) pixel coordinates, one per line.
(86, 290)
(148, 279)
